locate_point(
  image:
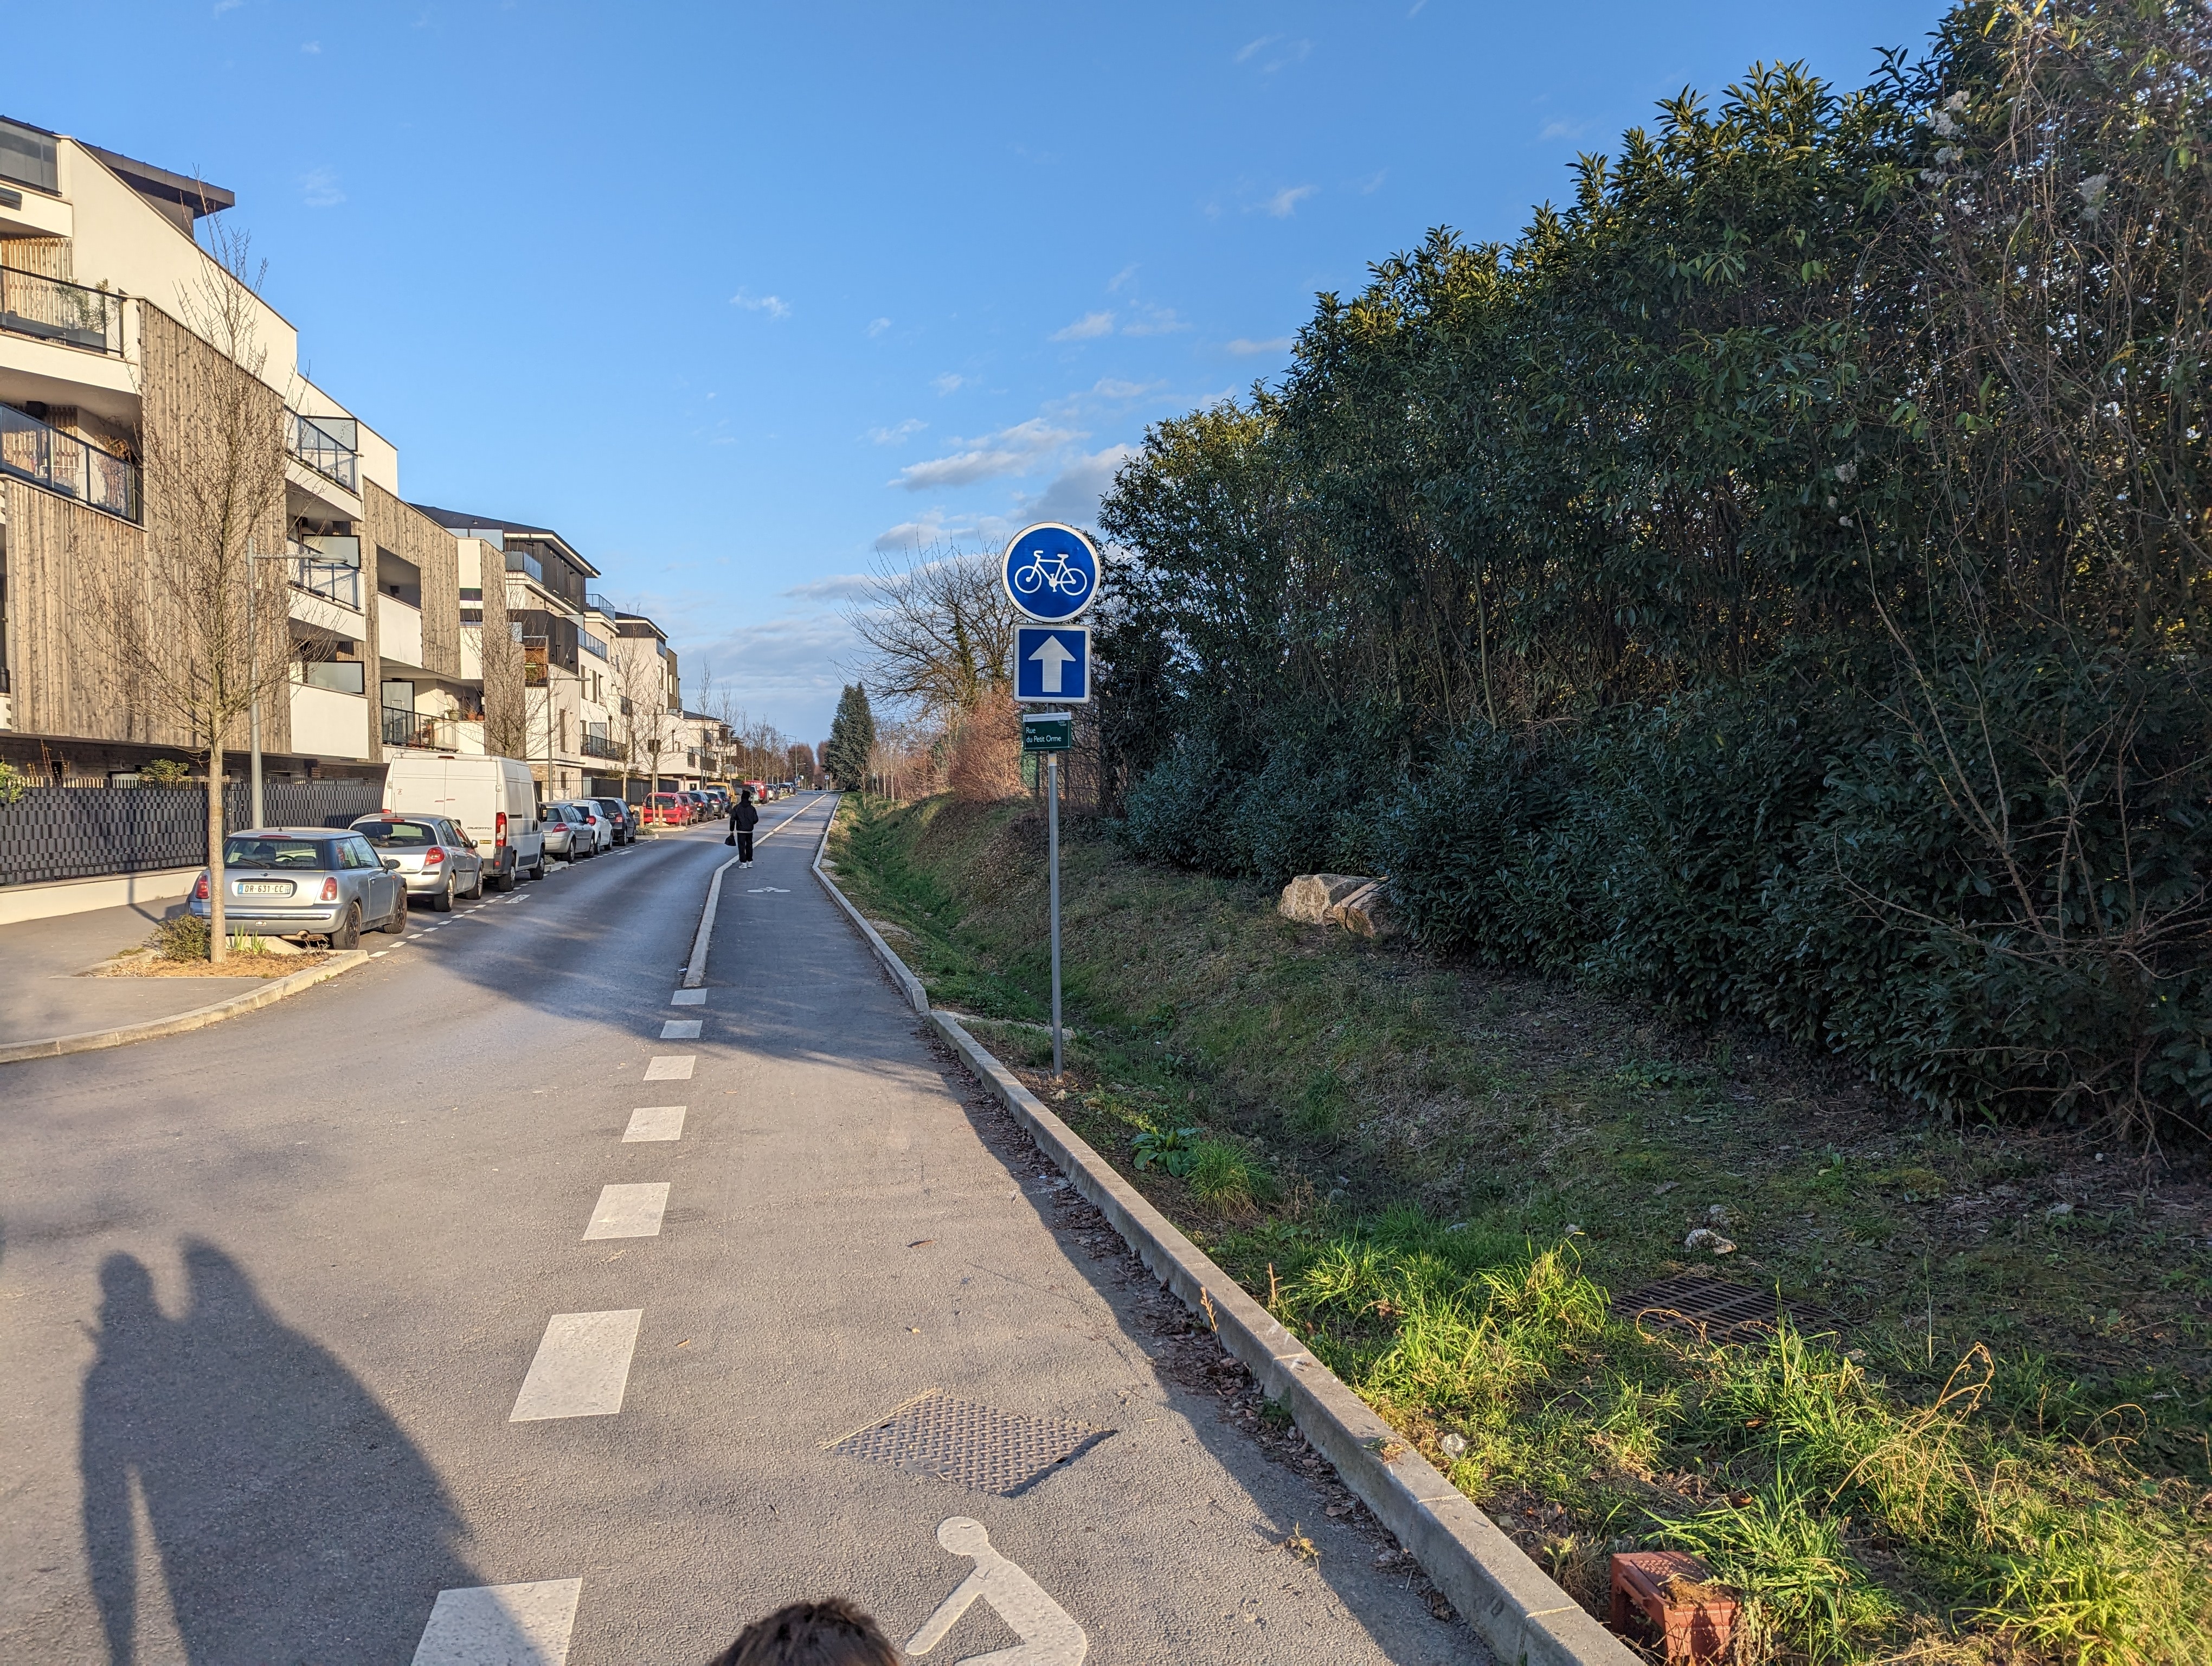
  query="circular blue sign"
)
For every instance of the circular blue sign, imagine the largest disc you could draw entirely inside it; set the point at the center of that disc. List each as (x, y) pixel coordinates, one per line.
(1051, 571)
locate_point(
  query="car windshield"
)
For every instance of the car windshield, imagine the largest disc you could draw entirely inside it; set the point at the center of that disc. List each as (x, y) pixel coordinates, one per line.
(398, 833)
(250, 852)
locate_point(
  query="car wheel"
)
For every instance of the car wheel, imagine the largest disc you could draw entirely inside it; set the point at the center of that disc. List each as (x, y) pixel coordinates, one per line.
(396, 921)
(347, 932)
(475, 892)
(538, 868)
(503, 880)
(443, 902)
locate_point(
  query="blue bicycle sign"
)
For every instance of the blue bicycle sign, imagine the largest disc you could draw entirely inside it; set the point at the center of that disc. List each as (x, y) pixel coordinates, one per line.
(1051, 571)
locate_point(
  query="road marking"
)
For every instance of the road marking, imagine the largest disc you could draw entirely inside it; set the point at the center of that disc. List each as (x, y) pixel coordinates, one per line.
(654, 1122)
(1048, 1637)
(581, 1368)
(628, 1212)
(687, 997)
(767, 891)
(671, 1068)
(680, 1029)
(501, 1624)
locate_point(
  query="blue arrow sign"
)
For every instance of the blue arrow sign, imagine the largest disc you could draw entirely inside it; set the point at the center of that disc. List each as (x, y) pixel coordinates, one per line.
(1052, 662)
(1051, 572)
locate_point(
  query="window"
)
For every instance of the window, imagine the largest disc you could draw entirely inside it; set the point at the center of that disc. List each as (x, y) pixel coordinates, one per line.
(401, 833)
(275, 853)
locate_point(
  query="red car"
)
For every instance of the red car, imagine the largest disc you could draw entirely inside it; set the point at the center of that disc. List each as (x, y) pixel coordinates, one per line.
(666, 810)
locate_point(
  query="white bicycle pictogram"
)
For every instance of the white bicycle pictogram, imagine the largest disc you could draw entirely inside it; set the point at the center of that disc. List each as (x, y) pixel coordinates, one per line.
(1059, 577)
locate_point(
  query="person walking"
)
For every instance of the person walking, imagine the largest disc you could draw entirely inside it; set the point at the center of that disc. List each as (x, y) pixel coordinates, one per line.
(742, 819)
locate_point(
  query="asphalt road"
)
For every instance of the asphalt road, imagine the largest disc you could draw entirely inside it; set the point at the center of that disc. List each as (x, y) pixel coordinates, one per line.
(312, 1316)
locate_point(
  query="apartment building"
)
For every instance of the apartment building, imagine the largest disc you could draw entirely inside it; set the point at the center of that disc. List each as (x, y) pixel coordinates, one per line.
(109, 316)
(561, 728)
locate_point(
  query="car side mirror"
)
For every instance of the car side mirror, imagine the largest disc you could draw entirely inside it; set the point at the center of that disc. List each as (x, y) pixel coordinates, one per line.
(392, 863)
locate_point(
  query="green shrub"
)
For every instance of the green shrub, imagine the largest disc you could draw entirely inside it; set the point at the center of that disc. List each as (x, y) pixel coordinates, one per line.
(181, 937)
(165, 772)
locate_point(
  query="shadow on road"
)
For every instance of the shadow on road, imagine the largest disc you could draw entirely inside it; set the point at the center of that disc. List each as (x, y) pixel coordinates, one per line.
(292, 1518)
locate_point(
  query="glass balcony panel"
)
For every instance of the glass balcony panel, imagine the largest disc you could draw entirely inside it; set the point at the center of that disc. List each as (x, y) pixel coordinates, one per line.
(341, 676)
(328, 444)
(62, 463)
(49, 309)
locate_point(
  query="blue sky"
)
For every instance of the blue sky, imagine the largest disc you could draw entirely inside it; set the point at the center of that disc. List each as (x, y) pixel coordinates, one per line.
(738, 296)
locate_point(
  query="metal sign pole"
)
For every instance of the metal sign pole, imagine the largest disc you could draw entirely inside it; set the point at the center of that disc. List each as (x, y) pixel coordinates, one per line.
(1052, 845)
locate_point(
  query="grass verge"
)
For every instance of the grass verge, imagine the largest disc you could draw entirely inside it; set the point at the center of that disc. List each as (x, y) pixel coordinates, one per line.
(1987, 1441)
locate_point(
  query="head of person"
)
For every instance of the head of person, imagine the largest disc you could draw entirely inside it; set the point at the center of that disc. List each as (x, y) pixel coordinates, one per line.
(827, 1633)
(746, 793)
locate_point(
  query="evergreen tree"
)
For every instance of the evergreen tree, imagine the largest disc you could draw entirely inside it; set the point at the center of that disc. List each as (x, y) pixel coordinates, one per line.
(852, 738)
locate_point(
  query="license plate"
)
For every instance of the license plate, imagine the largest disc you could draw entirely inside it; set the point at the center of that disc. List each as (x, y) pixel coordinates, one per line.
(265, 887)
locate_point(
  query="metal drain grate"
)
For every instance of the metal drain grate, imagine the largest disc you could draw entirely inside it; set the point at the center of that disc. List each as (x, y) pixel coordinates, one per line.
(972, 1445)
(1718, 1311)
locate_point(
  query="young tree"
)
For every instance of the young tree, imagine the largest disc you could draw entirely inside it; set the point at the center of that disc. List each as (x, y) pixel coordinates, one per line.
(852, 739)
(939, 630)
(200, 633)
(640, 678)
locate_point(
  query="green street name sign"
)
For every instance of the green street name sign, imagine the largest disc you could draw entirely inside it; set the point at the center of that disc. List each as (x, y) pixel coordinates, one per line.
(1047, 732)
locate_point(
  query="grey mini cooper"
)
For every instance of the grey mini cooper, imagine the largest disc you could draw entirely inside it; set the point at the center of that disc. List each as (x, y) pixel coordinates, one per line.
(305, 882)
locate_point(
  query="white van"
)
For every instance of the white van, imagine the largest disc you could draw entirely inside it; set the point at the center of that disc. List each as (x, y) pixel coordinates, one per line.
(493, 800)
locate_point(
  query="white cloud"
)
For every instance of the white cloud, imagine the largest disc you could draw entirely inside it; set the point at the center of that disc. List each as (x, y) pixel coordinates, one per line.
(1156, 321)
(892, 436)
(319, 188)
(838, 588)
(222, 6)
(948, 383)
(1284, 203)
(1245, 347)
(933, 528)
(787, 670)
(1562, 129)
(1087, 328)
(1073, 497)
(1112, 387)
(1120, 278)
(879, 326)
(1010, 451)
(1273, 53)
(1369, 185)
(775, 305)
(313, 48)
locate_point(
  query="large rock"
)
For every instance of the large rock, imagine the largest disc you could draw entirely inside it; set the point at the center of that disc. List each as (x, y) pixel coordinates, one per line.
(1367, 912)
(1309, 898)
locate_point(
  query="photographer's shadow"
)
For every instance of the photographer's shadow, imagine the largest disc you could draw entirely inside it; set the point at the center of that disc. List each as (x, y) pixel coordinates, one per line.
(293, 1521)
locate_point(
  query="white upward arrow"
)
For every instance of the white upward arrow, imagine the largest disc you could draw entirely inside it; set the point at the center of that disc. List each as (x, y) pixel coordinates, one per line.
(1055, 658)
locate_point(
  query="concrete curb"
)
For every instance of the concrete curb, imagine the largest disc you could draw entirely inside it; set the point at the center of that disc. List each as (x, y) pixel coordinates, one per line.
(1513, 1605)
(908, 984)
(198, 1019)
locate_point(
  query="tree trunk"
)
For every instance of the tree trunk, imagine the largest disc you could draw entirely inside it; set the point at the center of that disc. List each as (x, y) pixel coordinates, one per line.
(217, 948)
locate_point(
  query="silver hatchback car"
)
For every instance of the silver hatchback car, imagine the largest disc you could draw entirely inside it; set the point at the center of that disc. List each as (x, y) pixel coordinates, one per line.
(437, 861)
(305, 882)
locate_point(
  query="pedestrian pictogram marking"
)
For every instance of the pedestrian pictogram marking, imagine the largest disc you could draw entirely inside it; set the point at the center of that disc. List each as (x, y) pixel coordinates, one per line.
(1050, 1636)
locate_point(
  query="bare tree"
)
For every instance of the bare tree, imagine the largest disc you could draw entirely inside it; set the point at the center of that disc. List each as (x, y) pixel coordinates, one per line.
(200, 630)
(507, 721)
(641, 677)
(939, 629)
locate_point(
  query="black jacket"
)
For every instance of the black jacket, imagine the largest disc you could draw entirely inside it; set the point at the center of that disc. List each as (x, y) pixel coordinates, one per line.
(743, 816)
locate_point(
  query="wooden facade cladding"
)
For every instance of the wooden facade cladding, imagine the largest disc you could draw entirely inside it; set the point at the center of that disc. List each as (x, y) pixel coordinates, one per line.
(414, 537)
(76, 578)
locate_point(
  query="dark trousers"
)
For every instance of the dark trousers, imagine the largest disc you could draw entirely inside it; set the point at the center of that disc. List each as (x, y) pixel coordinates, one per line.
(745, 844)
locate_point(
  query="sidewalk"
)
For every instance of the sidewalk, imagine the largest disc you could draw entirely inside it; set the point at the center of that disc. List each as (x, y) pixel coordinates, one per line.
(41, 995)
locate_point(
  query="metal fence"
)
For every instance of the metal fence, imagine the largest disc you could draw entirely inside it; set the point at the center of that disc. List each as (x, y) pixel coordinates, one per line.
(86, 832)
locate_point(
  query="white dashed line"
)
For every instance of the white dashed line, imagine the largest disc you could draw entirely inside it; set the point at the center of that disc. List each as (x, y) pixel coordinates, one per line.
(654, 1122)
(501, 1624)
(687, 997)
(680, 1029)
(671, 1068)
(628, 1212)
(582, 1366)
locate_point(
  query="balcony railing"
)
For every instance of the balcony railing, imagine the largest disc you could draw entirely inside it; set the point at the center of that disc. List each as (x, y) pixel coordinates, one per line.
(421, 730)
(331, 446)
(324, 572)
(60, 462)
(51, 309)
(591, 644)
(596, 745)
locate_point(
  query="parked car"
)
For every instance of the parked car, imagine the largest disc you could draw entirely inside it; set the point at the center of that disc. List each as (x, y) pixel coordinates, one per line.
(666, 810)
(437, 861)
(602, 830)
(493, 800)
(293, 882)
(567, 834)
(623, 816)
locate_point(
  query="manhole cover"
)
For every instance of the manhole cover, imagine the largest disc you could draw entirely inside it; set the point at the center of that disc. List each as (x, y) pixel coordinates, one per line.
(1717, 1312)
(972, 1445)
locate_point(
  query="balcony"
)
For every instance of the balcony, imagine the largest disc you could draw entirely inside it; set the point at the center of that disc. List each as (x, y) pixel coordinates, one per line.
(398, 630)
(331, 446)
(327, 568)
(424, 731)
(328, 722)
(32, 451)
(51, 309)
(597, 745)
(591, 644)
